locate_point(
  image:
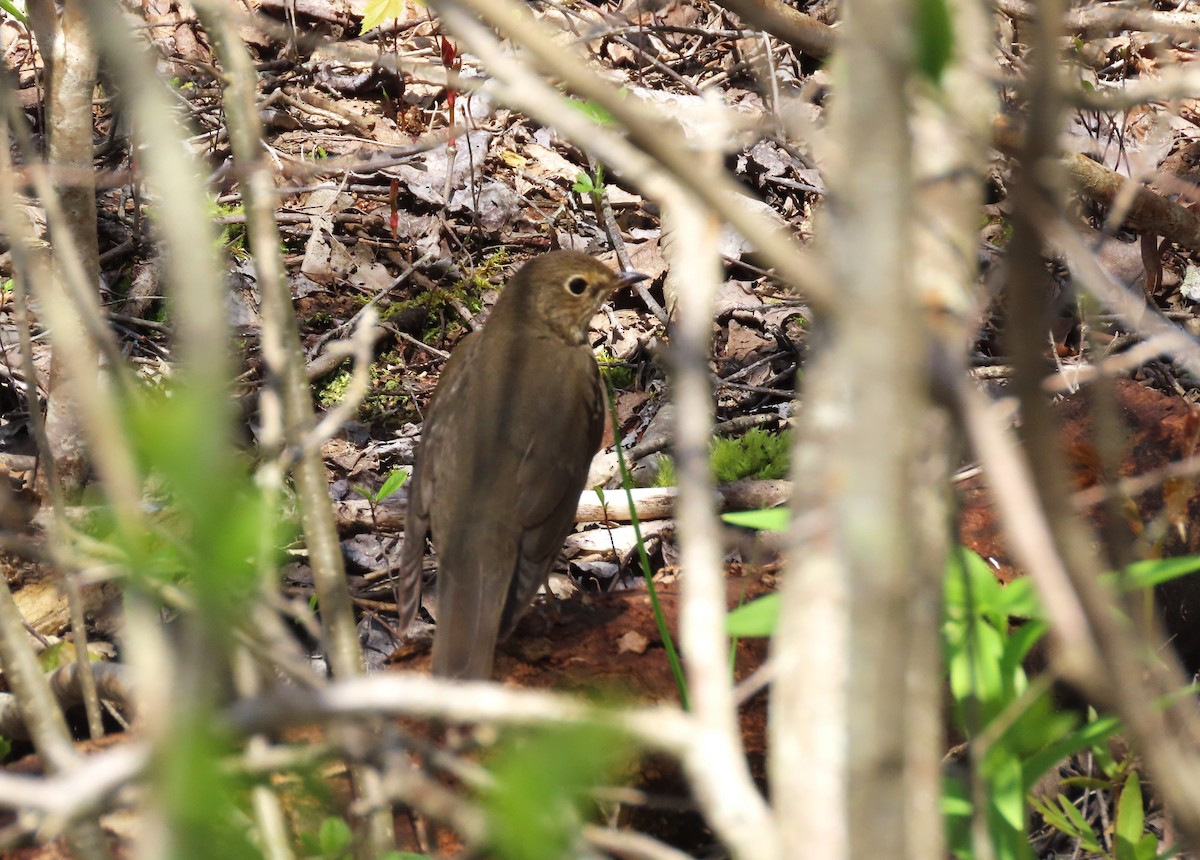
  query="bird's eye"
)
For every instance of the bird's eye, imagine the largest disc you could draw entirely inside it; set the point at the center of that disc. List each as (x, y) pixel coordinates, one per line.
(577, 286)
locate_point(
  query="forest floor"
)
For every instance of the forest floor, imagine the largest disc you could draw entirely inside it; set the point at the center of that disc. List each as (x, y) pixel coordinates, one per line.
(417, 199)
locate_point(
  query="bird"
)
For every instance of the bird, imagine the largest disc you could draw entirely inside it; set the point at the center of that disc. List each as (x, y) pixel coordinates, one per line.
(510, 432)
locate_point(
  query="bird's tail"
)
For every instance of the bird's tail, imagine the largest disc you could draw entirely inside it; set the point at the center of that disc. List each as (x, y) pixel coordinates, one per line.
(469, 607)
(407, 586)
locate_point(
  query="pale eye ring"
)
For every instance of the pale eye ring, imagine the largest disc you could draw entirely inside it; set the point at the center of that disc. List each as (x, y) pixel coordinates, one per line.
(577, 286)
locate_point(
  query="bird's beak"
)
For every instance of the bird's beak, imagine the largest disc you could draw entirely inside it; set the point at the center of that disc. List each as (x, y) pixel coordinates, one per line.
(628, 279)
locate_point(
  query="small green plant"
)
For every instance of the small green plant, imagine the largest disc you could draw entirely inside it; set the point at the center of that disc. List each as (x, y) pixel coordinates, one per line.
(1016, 732)
(334, 391)
(391, 485)
(332, 841)
(759, 454)
(615, 373)
(437, 301)
(593, 186)
(233, 236)
(1130, 839)
(665, 476)
(594, 111)
(387, 393)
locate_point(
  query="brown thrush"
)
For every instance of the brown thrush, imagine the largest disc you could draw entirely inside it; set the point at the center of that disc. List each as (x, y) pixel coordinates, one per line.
(508, 438)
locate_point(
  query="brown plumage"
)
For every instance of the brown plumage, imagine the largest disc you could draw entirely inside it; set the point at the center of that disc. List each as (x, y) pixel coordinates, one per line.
(508, 438)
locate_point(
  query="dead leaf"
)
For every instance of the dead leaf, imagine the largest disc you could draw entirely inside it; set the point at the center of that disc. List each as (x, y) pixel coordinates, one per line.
(632, 642)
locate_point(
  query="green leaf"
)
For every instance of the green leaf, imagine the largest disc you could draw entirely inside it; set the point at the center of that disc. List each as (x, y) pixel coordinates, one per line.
(1131, 819)
(1082, 829)
(1006, 804)
(593, 111)
(1156, 571)
(1066, 823)
(1147, 847)
(334, 837)
(767, 520)
(378, 11)
(1088, 736)
(55, 656)
(583, 184)
(757, 618)
(971, 588)
(975, 669)
(1054, 818)
(935, 38)
(394, 482)
(957, 811)
(542, 779)
(1020, 641)
(11, 9)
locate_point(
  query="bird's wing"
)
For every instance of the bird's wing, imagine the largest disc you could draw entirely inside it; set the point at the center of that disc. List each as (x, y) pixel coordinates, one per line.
(550, 478)
(436, 435)
(407, 586)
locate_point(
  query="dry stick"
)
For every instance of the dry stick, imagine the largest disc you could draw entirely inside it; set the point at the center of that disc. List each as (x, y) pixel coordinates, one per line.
(1107, 660)
(662, 728)
(62, 798)
(859, 607)
(359, 348)
(1148, 211)
(630, 844)
(49, 725)
(354, 515)
(43, 718)
(71, 58)
(27, 269)
(604, 212)
(268, 810)
(1148, 321)
(281, 352)
(802, 32)
(950, 135)
(87, 680)
(1090, 20)
(74, 79)
(720, 779)
(197, 299)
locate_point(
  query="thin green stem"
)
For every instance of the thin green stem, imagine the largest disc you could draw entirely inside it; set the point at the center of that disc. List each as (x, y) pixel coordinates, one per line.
(627, 485)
